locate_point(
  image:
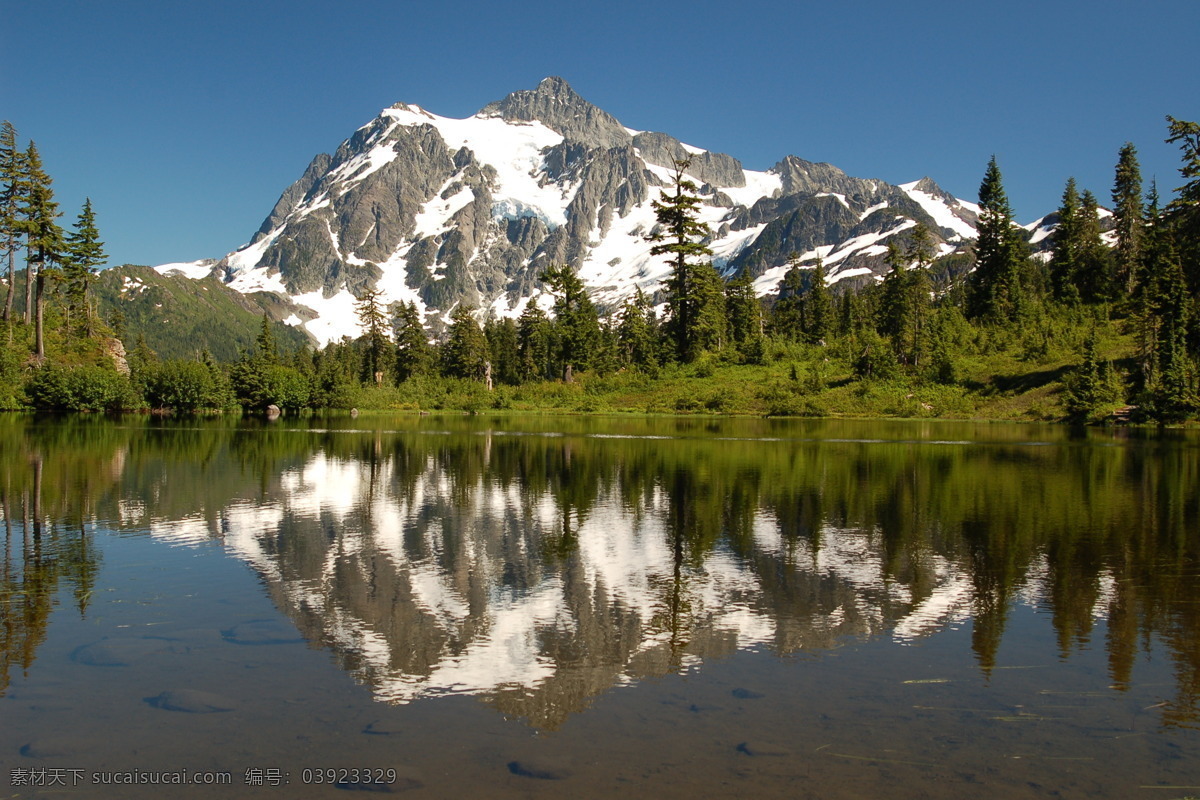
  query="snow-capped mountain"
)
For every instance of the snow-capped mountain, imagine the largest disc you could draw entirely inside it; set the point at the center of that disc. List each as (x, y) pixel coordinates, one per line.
(443, 211)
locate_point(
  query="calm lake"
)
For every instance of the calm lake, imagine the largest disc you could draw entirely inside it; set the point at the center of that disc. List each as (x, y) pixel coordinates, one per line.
(598, 607)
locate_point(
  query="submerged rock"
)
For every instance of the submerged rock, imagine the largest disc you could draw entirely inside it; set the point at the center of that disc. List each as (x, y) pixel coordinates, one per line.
(192, 701)
(541, 770)
(121, 652)
(263, 631)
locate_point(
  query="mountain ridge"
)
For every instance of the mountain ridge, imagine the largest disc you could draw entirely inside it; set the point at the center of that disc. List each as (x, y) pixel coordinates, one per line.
(440, 211)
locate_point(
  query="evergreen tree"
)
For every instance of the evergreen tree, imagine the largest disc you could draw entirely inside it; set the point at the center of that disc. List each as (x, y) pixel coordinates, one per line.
(465, 354)
(85, 254)
(994, 288)
(267, 351)
(636, 334)
(1184, 210)
(1093, 271)
(1065, 246)
(43, 239)
(376, 348)
(788, 318)
(576, 321)
(1129, 219)
(694, 291)
(414, 356)
(12, 172)
(818, 306)
(504, 348)
(745, 320)
(535, 344)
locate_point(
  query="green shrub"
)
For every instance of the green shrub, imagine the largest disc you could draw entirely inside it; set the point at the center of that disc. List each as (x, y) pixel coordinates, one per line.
(82, 388)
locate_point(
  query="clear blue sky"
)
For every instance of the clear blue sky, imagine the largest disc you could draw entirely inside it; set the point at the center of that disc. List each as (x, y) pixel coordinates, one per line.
(183, 121)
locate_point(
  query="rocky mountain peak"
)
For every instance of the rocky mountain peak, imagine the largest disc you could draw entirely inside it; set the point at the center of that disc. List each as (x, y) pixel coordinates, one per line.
(556, 105)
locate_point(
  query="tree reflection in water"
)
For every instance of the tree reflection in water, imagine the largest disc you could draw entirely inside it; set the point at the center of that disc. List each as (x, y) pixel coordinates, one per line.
(538, 563)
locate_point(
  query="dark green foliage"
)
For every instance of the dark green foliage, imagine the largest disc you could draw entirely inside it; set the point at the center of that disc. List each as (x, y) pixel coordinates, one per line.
(1092, 389)
(576, 322)
(81, 388)
(1184, 210)
(994, 290)
(744, 317)
(695, 294)
(377, 350)
(504, 347)
(1092, 275)
(84, 256)
(637, 334)
(465, 354)
(535, 342)
(1066, 245)
(1128, 215)
(12, 171)
(414, 355)
(187, 386)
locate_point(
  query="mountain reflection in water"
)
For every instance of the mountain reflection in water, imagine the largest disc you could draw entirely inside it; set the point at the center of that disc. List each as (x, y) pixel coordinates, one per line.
(539, 571)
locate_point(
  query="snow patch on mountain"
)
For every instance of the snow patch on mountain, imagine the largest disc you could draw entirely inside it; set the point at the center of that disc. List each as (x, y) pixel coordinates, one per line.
(942, 212)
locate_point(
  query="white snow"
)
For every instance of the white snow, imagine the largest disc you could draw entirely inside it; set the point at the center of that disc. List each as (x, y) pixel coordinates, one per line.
(434, 217)
(188, 269)
(941, 212)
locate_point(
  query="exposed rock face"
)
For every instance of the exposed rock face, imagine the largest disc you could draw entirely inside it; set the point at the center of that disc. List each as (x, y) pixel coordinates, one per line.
(441, 212)
(555, 104)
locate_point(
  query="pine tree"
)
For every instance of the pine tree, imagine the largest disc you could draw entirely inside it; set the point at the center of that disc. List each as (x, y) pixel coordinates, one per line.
(504, 349)
(994, 288)
(1065, 247)
(1129, 218)
(465, 354)
(576, 322)
(818, 306)
(376, 348)
(414, 356)
(12, 172)
(1093, 272)
(694, 286)
(535, 344)
(788, 317)
(85, 254)
(1184, 210)
(745, 319)
(43, 239)
(267, 352)
(636, 333)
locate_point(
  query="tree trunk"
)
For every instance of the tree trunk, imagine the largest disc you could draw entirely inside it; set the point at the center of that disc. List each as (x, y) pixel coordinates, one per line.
(8, 300)
(28, 289)
(41, 313)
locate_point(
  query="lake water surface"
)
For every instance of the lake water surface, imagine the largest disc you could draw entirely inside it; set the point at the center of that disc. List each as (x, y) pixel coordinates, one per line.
(598, 607)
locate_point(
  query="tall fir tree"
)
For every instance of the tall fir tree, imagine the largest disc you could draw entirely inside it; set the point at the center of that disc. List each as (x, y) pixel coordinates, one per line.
(636, 333)
(377, 350)
(535, 344)
(414, 356)
(745, 319)
(1129, 219)
(818, 306)
(12, 183)
(695, 296)
(84, 256)
(43, 239)
(1184, 210)
(1065, 247)
(465, 354)
(576, 321)
(994, 288)
(788, 314)
(1093, 270)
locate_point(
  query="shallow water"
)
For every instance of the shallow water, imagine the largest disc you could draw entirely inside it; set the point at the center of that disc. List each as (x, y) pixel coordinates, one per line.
(527, 607)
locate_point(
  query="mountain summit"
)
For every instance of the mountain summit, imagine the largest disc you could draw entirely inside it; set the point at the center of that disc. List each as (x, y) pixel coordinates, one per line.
(441, 212)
